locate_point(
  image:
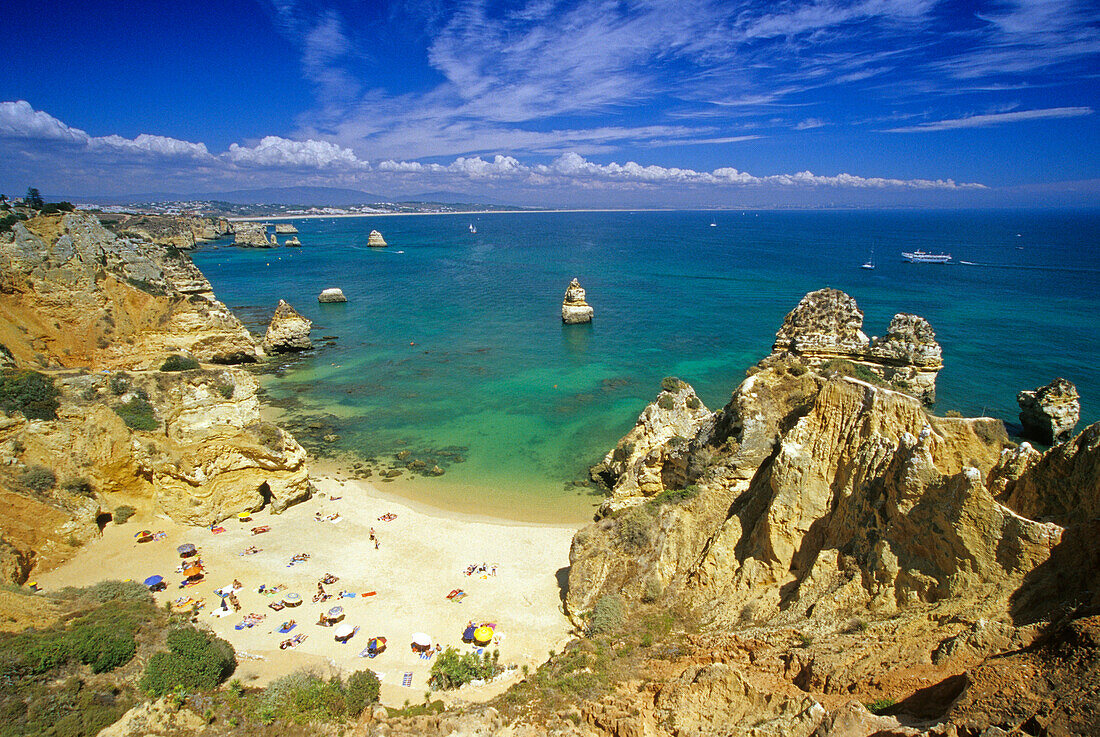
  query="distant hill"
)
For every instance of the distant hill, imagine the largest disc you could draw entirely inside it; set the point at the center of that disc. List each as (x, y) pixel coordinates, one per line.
(319, 196)
(451, 198)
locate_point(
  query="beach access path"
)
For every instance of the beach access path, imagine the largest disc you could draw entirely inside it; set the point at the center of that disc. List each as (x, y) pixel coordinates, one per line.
(421, 557)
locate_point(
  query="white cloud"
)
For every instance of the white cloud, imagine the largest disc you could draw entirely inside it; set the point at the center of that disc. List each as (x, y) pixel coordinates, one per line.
(151, 145)
(19, 120)
(810, 124)
(982, 121)
(277, 152)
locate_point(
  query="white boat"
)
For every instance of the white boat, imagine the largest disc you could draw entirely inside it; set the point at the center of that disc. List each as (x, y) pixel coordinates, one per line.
(713, 224)
(869, 263)
(923, 257)
(472, 228)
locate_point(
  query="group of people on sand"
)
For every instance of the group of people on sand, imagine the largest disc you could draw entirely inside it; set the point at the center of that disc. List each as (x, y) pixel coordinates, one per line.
(484, 569)
(334, 517)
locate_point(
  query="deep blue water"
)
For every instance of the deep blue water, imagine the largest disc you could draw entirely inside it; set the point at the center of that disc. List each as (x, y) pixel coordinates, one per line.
(454, 340)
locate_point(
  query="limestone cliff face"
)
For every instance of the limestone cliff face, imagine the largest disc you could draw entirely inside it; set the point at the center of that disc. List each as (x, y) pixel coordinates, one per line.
(74, 294)
(182, 231)
(827, 326)
(375, 240)
(1049, 413)
(1062, 486)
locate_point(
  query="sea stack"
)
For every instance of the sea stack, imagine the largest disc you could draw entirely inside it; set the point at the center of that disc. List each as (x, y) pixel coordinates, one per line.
(574, 310)
(332, 294)
(285, 228)
(273, 241)
(293, 242)
(288, 331)
(375, 240)
(1050, 412)
(250, 235)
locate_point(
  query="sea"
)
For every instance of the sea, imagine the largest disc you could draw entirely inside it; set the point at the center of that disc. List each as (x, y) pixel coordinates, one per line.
(450, 349)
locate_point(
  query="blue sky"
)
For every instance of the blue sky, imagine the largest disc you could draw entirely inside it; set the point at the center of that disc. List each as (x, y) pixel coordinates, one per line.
(875, 102)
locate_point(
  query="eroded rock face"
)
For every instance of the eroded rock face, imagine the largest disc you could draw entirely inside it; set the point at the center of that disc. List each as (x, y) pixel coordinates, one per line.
(74, 294)
(827, 326)
(375, 240)
(1049, 413)
(293, 242)
(574, 309)
(332, 294)
(285, 228)
(250, 235)
(288, 331)
(182, 231)
(1062, 486)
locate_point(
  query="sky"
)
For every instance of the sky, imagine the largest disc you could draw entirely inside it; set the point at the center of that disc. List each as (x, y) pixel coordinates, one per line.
(675, 103)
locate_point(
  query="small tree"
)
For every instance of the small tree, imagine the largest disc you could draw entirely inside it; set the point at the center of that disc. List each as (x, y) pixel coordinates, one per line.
(34, 199)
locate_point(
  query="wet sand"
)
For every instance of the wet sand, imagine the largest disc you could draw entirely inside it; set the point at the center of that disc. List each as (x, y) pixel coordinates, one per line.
(422, 556)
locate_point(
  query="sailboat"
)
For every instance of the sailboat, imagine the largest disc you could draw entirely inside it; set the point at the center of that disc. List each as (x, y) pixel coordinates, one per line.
(713, 224)
(869, 263)
(472, 228)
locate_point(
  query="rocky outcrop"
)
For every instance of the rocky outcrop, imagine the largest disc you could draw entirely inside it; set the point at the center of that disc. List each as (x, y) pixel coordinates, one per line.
(653, 456)
(74, 294)
(293, 242)
(250, 235)
(285, 228)
(825, 329)
(180, 231)
(332, 294)
(1062, 486)
(288, 331)
(375, 240)
(574, 309)
(1049, 414)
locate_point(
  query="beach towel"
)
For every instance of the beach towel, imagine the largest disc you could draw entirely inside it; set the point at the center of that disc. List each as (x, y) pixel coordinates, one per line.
(284, 630)
(347, 595)
(458, 597)
(365, 652)
(370, 593)
(217, 530)
(407, 679)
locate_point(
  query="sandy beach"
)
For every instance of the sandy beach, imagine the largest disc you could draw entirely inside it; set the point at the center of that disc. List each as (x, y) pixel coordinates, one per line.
(422, 555)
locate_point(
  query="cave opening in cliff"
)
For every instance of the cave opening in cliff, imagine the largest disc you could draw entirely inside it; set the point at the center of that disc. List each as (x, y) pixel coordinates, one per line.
(265, 494)
(102, 519)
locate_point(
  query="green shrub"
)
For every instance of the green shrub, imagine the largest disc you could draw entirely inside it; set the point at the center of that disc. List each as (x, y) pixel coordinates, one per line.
(29, 392)
(138, 414)
(671, 384)
(102, 648)
(361, 691)
(693, 402)
(269, 435)
(453, 669)
(880, 705)
(176, 362)
(635, 529)
(38, 479)
(78, 486)
(119, 383)
(665, 401)
(607, 615)
(195, 660)
(226, 389)
(952, 413)
(116, 591)
(123, 513)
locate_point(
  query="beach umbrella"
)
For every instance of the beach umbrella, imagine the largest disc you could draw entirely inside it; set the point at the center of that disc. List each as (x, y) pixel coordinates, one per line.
(244, 516)
(344, 631)
(336, 612)
(421, 640)
(292, 600)
(483, 634)
(153, 580)
(193, 571)
(186, 549)
(143, 533)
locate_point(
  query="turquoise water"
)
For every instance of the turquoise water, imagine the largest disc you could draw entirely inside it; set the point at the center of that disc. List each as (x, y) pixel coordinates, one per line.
(451, 344)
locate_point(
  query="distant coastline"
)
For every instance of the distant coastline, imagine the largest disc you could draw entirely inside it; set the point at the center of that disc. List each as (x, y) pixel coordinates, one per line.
(260, 218)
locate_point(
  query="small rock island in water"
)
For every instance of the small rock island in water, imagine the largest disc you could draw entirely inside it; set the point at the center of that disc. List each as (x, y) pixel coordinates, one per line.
(574, 310)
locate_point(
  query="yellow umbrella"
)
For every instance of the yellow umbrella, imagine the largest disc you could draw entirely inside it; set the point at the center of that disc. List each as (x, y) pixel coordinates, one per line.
(483, 634)
(244, 516)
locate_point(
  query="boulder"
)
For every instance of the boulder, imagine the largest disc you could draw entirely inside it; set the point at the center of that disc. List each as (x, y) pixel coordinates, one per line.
(285, 228)
(293, 241)
(288, 331)
(574, 309)
(250, 235)
(1050, 412)
(273, 241)
(332, 294)
(375, 240)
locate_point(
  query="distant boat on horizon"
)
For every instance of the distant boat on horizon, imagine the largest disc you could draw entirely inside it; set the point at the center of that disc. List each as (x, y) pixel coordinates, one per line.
(713, 224)
(472, 228)
(923, 257)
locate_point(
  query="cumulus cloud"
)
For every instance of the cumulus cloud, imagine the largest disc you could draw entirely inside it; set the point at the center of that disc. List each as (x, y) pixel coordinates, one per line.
(151, 145)
(276, 152)
(19, 120)
(982, 121)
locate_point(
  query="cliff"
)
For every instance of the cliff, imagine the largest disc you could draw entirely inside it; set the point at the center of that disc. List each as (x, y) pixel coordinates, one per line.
(74, 294)
(829, 538)
(183, 231)
(250, 235)
(826, 328)
(95, 316)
